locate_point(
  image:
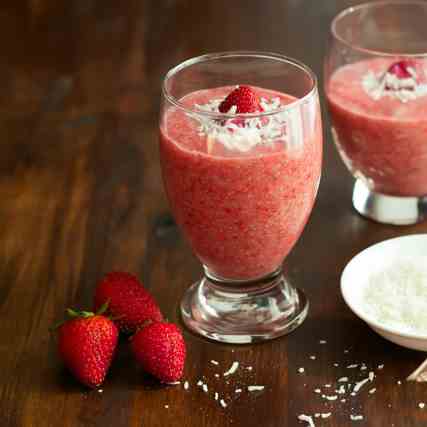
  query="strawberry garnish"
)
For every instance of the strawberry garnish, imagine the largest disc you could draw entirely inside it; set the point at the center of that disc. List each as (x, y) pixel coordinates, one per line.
(401, 69)
(160, 349)
(130, 305)
(86, 344)
(244, 99)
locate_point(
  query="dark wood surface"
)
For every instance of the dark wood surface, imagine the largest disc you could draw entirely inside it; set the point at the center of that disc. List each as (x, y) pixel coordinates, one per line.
(81, 194)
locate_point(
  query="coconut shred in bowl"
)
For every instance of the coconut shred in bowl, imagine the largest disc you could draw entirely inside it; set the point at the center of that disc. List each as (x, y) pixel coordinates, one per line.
(396, 295)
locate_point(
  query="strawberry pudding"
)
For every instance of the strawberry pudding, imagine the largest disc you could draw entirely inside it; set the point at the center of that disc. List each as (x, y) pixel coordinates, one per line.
(379, 115)
(241, 188)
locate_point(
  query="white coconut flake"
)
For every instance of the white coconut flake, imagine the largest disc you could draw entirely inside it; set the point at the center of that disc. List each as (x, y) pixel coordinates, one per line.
(356, 417)
(216, 396)
(301, 370)
(166, 406)
(363, 368)
(421, 405)
(214, 362)
(100, 390)
(334, 397)
(312, 357)
(308, 419)
(399, 382)
(174, 383)
(200, 383)
(256, 388)
(186, 385)
(343, 379)
(328, 385)
(326, 415)
(238, 390)
(360, 384)
(352, 366)
(232, 369)
(249, 368)
(372, 390)
(380, 366)
(317, 415)
(222, 403)
(217, 375)
(343, 401)
(341, 390)
(322, 342)
(317, 390)
(205, 388)
(336, 365)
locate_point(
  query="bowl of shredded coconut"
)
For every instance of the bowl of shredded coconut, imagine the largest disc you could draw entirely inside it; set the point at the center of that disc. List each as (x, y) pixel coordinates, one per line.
(386, 286)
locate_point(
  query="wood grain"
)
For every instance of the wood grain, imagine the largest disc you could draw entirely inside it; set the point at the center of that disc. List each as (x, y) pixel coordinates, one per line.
(81, 195)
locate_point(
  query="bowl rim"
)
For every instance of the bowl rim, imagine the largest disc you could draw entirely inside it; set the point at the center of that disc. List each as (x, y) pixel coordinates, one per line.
(356, 309)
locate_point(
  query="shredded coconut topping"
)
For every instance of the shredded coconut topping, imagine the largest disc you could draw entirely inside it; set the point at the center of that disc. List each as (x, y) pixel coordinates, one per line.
(242, 134)
(387, 84)
(256, 388)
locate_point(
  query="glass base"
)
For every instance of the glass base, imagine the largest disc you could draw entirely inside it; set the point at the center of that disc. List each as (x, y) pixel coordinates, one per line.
(388, 209)
(238, 312)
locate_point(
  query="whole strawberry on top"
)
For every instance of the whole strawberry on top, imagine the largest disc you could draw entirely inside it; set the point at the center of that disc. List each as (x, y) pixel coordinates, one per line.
(160, 349)
(86, 344)
(244, 99)
(130, 305)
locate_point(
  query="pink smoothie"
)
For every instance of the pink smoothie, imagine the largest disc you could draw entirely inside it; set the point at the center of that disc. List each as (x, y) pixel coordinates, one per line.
(382, 141)
(242, 212)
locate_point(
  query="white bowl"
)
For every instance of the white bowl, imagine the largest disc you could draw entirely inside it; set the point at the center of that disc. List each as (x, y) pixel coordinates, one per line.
(355, 275)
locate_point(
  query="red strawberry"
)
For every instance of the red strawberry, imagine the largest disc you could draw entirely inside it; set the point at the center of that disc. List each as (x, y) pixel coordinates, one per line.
(244, 99)
(160, 349)
(130, 305)
(401, 69)
(86, 344)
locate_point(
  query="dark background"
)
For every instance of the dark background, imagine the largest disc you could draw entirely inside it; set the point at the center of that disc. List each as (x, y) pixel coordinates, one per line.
(81, 194)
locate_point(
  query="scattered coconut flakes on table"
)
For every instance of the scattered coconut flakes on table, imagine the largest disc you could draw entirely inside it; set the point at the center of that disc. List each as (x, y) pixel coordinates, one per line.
(238, 390)
(307, 419)
(232, 369)
(322, 342)
(200, 383)
(166, 406)
(216, 395)
(326, 415)
(186, 385)
(205, 388)
(222, 403)
(214, 362)
(343, 379)
(355, 365)
(301, 370)
(217, 375)
(317, 390)
(380, 366)
(421, 405)
(313, 357)
(372, 390)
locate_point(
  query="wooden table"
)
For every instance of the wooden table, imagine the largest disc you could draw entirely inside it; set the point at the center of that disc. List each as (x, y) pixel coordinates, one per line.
(81, 195)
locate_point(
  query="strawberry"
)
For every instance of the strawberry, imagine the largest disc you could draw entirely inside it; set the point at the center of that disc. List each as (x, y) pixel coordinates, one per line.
(401, 69)
(86, 344)
(160, 349)
(129, 304)
(243, 98)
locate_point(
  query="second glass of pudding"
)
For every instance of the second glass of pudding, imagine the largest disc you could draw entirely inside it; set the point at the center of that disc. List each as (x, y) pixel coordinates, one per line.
(241, 173)
(376, 87)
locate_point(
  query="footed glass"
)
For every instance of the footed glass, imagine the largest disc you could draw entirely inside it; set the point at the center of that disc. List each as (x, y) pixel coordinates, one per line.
(241, 187)
(376, 87)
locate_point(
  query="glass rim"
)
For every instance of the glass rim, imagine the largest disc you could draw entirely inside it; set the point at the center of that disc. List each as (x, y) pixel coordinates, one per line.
(239, 53)
(372, 5)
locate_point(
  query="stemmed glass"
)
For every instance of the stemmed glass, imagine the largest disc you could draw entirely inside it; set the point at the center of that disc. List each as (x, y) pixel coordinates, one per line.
(241, 187)
(376, 87)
